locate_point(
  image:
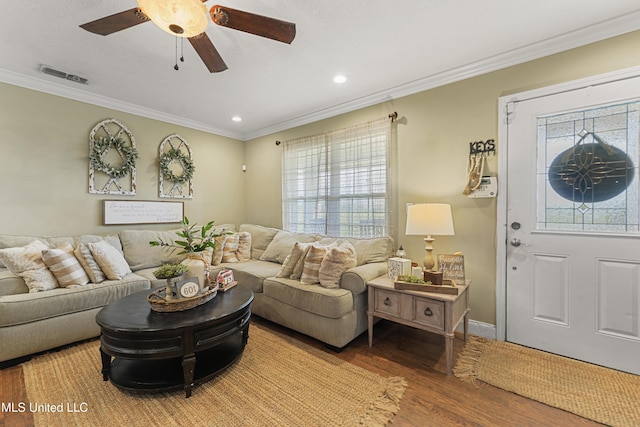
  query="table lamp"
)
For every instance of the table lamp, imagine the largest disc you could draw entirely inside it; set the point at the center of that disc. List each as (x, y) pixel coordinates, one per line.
(429, 219)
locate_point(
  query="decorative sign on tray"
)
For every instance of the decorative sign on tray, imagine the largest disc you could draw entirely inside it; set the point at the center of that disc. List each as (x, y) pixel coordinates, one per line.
(188, 288)
(142, 212)
(452, 267)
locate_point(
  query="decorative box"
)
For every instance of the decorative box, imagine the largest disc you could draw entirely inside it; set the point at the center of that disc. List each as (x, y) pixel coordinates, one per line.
(435, 277)
(398, 267)
(225, 280)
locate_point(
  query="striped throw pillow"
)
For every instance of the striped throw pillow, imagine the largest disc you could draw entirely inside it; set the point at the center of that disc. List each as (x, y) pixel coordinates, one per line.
(312, 263)
(65, 266)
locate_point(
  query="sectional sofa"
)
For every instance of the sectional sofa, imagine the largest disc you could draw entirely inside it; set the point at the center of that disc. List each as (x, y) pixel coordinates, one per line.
(330, 308)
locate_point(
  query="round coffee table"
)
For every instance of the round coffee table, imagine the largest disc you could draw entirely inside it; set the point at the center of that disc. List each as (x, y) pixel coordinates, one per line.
(156, 351)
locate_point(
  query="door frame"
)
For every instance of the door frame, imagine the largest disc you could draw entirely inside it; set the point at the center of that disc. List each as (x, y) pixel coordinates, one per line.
(507, 105)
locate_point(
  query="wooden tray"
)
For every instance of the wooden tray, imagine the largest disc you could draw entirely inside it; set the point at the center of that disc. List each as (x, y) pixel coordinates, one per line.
(423, 287)
(160, 303)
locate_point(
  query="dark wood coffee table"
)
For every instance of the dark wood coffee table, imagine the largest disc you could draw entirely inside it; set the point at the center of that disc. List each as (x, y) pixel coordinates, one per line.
(155, 351)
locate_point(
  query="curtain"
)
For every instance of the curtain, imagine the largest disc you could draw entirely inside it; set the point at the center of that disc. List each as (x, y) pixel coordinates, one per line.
(337, 183)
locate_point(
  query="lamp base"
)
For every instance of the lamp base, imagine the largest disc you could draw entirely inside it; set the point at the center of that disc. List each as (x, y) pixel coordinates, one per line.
(428, 261)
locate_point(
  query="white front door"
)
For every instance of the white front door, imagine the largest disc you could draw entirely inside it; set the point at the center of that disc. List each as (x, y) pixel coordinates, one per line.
(572, 224)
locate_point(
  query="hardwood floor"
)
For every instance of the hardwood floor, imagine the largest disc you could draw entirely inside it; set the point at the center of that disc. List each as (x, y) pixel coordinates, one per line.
(432, 397)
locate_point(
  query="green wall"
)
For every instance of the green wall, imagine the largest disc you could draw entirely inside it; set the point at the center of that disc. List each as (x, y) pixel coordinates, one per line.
(44, 176)
(44, 166)
(433, 136)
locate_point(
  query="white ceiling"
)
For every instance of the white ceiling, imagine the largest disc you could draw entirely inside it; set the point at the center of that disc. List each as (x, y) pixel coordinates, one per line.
(387, 48)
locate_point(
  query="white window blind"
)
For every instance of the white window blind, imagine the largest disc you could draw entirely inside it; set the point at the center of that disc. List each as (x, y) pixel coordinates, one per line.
(337, 183)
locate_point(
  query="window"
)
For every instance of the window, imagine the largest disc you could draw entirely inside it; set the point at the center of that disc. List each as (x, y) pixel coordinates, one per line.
(337, 183)
(588, 168)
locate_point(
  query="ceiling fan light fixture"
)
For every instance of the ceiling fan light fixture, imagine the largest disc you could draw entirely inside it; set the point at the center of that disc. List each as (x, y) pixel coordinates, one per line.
(182, 18)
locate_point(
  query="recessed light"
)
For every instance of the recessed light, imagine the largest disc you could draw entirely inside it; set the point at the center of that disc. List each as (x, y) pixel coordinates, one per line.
(236, 118)
(340, 78)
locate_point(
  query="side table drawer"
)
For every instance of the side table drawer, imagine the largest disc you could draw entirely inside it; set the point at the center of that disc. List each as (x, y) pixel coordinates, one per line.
(428, 312)
(387, 302)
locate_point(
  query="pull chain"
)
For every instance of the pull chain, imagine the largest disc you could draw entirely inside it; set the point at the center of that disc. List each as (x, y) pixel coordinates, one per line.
(175, 67)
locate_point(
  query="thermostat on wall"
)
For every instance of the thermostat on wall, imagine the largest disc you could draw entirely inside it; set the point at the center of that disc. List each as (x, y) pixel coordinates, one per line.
(488, 187)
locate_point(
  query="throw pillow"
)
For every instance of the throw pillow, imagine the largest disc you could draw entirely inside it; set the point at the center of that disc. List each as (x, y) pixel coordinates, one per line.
(65, 266)
(110, 260)
(26, 262)
(337, 260)
(88, 262)
(298, 252)
(312, 262)
(244, 246)
(216, 258)
(231, 248)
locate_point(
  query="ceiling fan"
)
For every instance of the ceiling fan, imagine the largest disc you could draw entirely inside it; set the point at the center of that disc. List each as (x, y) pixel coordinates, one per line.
(188, 19)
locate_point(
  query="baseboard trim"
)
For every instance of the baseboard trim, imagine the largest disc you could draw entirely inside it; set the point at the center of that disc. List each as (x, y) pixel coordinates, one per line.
(481, 329)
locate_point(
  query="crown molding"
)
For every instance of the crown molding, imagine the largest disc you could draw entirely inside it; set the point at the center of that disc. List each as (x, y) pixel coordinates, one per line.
(594, 33)
(76, 94)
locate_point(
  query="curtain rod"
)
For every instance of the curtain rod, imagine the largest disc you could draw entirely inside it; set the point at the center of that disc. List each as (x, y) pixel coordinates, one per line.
(393, 116)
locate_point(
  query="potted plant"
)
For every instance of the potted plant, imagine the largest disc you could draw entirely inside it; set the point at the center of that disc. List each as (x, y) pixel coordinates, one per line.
(195, 239)
(169, 271)
(172, 273)
(195, 243)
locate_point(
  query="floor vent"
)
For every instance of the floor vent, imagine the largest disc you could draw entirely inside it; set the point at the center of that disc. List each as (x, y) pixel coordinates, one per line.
(53, 72)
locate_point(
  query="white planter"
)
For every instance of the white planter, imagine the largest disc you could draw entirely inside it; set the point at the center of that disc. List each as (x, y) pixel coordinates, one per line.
(199, 264)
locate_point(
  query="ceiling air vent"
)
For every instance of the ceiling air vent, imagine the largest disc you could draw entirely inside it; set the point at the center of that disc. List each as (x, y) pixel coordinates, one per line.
(53, 72)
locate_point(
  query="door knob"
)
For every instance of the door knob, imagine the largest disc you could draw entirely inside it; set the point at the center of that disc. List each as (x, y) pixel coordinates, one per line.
(515, 242)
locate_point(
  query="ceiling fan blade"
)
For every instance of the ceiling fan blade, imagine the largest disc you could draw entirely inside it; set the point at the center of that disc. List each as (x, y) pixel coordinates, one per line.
(208, 53)
(116, 22)
(259, 25)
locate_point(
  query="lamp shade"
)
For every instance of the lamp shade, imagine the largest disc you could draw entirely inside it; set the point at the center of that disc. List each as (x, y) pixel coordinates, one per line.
(183, 18)
(429, 218)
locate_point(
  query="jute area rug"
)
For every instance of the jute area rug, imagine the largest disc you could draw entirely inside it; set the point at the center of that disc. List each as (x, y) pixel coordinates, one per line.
(278, 381)
(604, 395)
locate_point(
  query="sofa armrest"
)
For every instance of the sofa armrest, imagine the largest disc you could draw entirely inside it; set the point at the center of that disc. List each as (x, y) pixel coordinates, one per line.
(355, 279)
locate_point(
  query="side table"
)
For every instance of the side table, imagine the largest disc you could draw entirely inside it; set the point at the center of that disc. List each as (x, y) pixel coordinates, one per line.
(438, 313)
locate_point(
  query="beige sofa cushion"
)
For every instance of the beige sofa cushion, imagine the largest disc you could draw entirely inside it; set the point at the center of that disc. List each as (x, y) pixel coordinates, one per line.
(11, 284)
(65, 266)
(26, 262)
(372, 250)
(140, 255)
(282, 243)
(333, 303)
(251, 273)
(63, 301)
(260, 238)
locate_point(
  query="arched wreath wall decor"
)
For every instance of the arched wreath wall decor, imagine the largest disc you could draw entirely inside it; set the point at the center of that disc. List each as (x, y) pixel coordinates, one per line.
(112, 159)
(176, 168)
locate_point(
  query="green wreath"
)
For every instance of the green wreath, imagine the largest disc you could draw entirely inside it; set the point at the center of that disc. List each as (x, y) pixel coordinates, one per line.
(185, 161)
(102, 146)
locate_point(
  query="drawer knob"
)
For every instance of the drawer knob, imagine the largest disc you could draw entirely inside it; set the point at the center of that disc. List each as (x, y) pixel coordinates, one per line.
(387, 301)
(428, 312)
